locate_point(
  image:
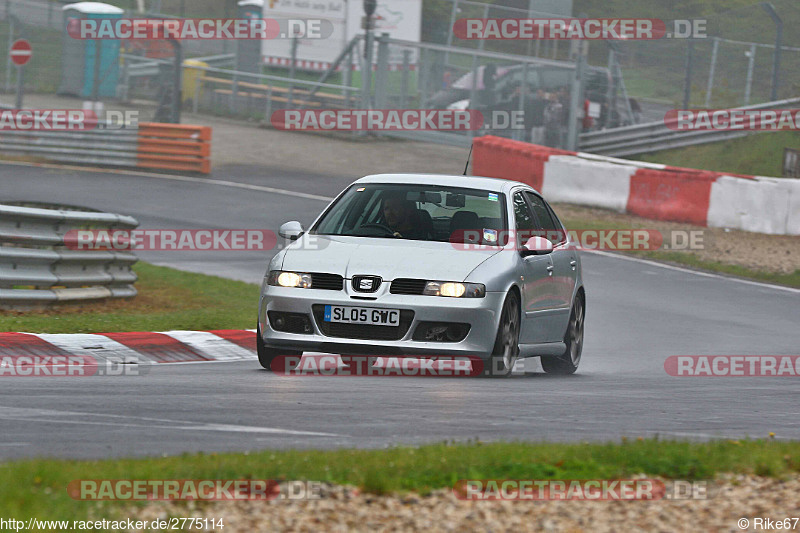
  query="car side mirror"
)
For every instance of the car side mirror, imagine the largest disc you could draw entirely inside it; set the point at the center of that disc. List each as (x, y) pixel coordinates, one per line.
(291, 230)
(536, 246)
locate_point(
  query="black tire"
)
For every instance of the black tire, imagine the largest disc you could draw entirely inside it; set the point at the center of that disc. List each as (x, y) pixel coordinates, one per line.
(267, 355)
(567, 363)
(506, 344)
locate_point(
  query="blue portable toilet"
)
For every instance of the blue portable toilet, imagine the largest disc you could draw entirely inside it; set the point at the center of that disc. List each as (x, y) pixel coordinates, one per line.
(248, 51)
(78, 55)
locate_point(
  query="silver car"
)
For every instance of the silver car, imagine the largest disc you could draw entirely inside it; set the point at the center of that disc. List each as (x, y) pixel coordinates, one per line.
(428, 265)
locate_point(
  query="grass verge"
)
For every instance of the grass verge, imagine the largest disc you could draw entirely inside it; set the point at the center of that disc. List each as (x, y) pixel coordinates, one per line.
(759, 154)
(37, 488)
(687, 259)
(168, 299)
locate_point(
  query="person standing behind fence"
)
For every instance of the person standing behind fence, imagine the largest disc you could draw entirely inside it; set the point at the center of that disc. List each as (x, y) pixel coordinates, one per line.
(553, 122)
(536, 118)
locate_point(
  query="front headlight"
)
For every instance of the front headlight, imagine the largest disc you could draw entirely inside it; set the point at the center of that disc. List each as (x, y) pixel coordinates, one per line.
(289, 279)
(454, 289)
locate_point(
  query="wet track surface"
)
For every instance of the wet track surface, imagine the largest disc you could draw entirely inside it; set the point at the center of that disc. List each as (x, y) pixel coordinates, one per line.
(638, 314)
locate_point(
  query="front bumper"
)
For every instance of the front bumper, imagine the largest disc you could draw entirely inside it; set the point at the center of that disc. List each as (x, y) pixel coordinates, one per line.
(482, 314)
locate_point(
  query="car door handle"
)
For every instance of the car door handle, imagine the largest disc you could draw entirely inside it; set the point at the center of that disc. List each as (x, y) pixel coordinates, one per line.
(573, 263)
(550, 269)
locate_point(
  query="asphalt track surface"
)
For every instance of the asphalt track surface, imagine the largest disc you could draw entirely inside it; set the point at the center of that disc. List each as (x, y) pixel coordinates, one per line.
(638, 314)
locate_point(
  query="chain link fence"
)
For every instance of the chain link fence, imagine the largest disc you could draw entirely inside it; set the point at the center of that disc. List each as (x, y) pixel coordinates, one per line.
(732, 67)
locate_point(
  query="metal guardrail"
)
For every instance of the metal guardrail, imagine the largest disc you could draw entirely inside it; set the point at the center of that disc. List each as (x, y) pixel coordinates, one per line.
(37, 268)
(148, 145)
(116, 147)
(654, 136)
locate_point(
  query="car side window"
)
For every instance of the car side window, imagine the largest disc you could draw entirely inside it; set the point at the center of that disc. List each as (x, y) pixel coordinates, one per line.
(524, 221)
(544, 219)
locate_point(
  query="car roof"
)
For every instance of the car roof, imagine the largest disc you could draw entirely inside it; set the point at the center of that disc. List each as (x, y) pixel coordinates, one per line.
(445, 180)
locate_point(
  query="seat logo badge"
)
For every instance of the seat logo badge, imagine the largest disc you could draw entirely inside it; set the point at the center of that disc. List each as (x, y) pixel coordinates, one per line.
(366, 283)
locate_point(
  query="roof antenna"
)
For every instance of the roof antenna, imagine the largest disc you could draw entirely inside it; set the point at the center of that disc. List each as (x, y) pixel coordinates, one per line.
(468, 158)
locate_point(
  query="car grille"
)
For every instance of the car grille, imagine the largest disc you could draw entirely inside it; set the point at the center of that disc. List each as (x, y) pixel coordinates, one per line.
(407, 286)
(363, 331)
(331, 282)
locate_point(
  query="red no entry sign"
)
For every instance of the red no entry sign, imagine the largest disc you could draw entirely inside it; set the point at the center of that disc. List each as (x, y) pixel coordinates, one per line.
(20, 52)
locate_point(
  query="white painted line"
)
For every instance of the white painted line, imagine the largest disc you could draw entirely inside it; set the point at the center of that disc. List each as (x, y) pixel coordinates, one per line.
(92, 345)
(191, 179)
(695, 272)
(211, 345)
(35, 415)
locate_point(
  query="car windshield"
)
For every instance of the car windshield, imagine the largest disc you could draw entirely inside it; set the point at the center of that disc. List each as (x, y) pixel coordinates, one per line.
(417, 212)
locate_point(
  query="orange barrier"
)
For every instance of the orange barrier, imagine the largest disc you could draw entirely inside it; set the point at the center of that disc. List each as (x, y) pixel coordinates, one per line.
(174, 147)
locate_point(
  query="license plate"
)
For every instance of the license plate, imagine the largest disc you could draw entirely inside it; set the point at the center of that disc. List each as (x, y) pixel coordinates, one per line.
(362, 315)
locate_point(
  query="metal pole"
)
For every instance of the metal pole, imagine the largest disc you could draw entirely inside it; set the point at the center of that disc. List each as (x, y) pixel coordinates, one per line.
(710, 86)
(750, 62)
(348, 75)
(687, 84)
(575, 99)
(20, 88)
(366, 71)
(8, 52)
(453, 13)
(96, 75)
(198, 81)
(176, 90)
(292, 68)
(473, 92)
(481, 42)
(776, 61)
(523, 95)
(382, 71)
(404, 78)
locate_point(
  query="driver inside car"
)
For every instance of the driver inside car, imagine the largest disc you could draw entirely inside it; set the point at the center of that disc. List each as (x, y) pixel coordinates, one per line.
(402, 217)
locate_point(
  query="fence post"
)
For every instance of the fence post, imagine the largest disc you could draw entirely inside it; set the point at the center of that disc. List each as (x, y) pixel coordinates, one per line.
(453, 13)
(575, 99)
(711, 70)
(473, 92)
(404, 79)
(382, 71)
(751, 55)
(776, 60)
(687, 84)
(292, 70)
(8, 51)
(198, 81)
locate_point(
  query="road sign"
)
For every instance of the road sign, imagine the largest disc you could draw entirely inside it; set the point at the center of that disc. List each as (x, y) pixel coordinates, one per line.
(20, 52)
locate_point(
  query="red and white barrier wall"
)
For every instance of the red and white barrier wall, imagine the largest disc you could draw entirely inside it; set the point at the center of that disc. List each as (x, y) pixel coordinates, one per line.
(705, 198)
